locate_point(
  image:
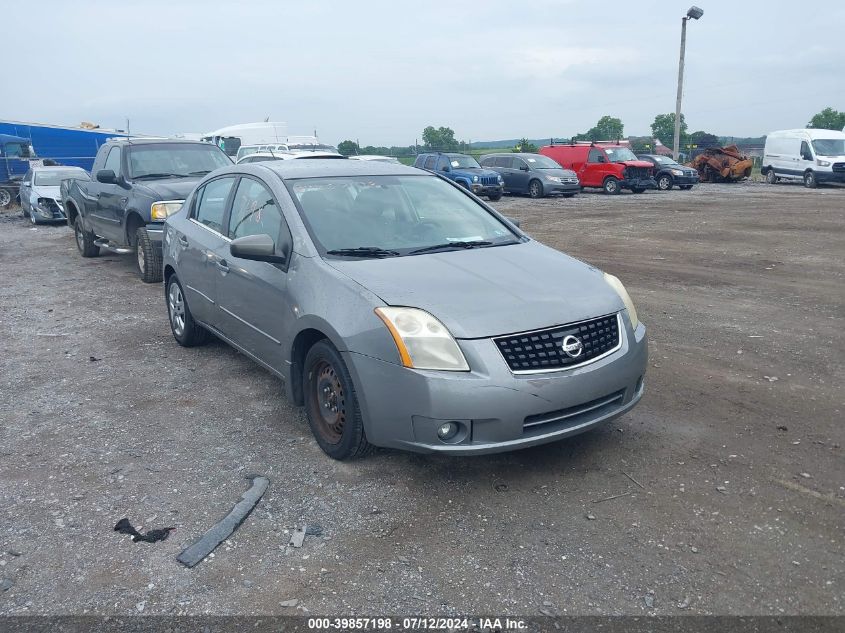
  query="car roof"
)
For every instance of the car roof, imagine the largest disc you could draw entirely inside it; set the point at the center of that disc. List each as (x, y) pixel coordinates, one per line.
(157, 141)
(331, 167)
(53, 167)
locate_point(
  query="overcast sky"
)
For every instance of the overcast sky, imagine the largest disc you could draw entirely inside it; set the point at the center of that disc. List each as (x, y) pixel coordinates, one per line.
(380, 71)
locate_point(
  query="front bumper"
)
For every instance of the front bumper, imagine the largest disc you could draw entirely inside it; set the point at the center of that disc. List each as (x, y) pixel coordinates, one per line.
(638, 183)
(830, 176)
(49, 211)
(555, 187)
(685, 180)
(496, 409)
(487, 190)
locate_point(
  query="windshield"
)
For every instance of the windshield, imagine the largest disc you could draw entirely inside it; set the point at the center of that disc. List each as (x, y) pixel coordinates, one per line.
(618, 154)
(246, 151)
(540, 162)
(664, 160)
(312, 147)
(173, 159)
(829, 146)
(19, 150)
(462, 160)
(397, 213)
(54, 177)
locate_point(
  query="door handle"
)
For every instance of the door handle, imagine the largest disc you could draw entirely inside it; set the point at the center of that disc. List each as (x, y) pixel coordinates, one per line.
(222, 266)
(183, 241)
(98, 195)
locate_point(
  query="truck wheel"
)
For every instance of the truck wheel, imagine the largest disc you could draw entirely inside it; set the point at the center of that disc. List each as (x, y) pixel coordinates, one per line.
(5, 198)
(84, 239)
(810, 180)
(771, 178)
(638, 190)
(535, 189)
(664, 183)
(493, 197)
(611, 186)
(185, 330)
(686, 187)
(331, 404)
(148, 257)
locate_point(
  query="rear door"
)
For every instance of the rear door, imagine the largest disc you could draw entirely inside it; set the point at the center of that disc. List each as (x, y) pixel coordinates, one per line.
(110, 200)
(252, 296)
(199, 240)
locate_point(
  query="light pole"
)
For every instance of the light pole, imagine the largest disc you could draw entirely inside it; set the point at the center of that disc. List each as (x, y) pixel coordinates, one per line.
(693, 13)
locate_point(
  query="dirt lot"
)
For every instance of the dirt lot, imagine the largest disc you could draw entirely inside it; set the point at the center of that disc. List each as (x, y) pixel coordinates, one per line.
(735, 501)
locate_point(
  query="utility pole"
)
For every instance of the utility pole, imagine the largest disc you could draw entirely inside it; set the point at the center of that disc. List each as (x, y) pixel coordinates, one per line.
(694, 13)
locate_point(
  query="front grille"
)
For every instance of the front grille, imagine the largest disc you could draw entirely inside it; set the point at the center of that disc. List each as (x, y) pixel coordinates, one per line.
(489, 180)
(542, 350)
(569, 181)
(839, 167)
(53, 207)
(573, 416)
(637, 172)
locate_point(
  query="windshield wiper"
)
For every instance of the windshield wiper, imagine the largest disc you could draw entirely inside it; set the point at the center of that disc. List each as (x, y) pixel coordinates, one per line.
(465, 244)
(201, 172)
(363, 251)
(162, 175)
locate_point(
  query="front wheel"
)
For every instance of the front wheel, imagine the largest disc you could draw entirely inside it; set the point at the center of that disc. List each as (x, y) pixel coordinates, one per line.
(493, 197)
(686, 187)
(611, 186)
(84, 239)
(638, 190)
(771, 178)
(5, 198)
(535, 189)
(331, 404)
(148, 257)
(664, 183)
(810, 180)
(185, 330)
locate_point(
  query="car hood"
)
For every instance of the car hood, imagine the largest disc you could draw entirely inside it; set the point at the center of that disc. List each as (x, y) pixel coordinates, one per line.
(45, 191)
(636, 163)
(168, 188)
(483, 292)
(559, 173)
(475, 171)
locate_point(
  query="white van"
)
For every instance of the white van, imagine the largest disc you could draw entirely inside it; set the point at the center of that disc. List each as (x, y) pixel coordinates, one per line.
(814, 156)
(230, 138)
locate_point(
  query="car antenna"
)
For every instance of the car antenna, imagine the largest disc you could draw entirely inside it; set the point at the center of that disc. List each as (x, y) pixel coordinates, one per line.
(128, 133)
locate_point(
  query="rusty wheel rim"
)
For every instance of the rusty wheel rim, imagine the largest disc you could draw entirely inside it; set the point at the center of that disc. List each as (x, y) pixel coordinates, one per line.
(329, 402)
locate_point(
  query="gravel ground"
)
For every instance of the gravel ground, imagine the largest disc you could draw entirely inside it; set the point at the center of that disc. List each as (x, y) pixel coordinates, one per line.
(731, 469)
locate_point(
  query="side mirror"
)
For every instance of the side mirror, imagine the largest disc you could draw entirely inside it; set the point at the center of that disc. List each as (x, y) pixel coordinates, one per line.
(260, 248)
(446, 168)
(602, 159)
(524, 168)
(107, 176)
(513, 221)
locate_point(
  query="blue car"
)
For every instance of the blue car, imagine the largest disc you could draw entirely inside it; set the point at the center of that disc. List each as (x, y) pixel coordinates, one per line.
(465, 171)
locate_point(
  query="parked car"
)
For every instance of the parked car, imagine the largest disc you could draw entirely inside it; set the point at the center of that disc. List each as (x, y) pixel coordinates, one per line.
(465, 171)
(608, 166)
(383, 159)
(532, 174)
(668, 173)
(41, 199)
(266, 148)
(264, 156)
(399, 309)
(812, 156)
(137, 184)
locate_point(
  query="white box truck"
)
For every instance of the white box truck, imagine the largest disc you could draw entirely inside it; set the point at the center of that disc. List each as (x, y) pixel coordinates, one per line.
(810, 155)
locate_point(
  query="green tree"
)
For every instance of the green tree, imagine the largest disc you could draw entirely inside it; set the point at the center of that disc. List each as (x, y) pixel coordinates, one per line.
(703, 139)
(608, 128)
(347, 148)
(440, 139)
(525, 146)
(663, 128)
(828, 119)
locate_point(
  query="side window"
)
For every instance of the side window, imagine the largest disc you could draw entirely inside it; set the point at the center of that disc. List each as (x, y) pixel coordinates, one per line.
(442, 163)
(211, 203)
(113, 160)
(596, 156)
(806, 154)
(28, 178)
(254, 211)
(509, 162)
(429, 162)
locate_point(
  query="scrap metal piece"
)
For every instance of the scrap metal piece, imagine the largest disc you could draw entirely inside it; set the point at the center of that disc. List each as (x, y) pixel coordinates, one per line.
(298, 537)
(206, 544)
(722, 164)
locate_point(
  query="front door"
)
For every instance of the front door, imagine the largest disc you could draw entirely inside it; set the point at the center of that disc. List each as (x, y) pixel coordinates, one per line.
(520, 176)
(109, 203)
(593, 171)
(252, 295)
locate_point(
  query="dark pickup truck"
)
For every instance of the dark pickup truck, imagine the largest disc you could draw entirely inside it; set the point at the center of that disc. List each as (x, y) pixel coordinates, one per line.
(135, 185)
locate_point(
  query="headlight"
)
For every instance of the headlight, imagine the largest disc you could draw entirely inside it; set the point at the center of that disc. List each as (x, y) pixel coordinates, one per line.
(423, 341)
(554, 178)
(677, 172)
(614, 283)
(475, 178)
(161, 210)
(501, 180)
(823, 163)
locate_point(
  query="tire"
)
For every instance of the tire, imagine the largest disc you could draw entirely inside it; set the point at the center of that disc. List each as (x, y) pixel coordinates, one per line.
(6, 198)
(147, 256)
(685, 187)
(665, 182)
(84, 239)
(810, 180)
(24, 211)
(568, 195)
(771, 178)
(638, 190)
(186, 331)
(611, 186)
(495, 197)
(32, 218)
(331, 404)
(535, 189)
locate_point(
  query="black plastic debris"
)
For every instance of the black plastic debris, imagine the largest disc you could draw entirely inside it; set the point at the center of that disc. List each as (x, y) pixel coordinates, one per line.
(192, 555)
(125, 527)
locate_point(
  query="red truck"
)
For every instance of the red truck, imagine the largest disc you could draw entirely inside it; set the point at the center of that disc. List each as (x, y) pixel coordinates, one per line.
(609, 166)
